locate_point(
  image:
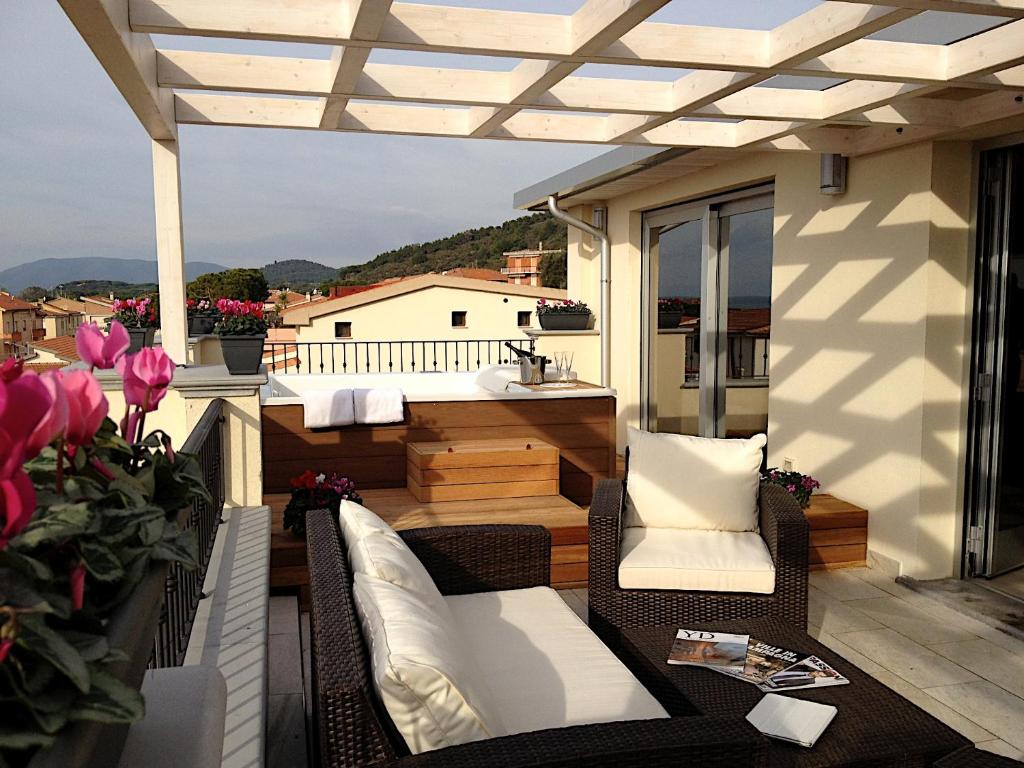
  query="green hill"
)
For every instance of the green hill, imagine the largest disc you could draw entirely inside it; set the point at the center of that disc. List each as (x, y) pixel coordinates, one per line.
(297, 274)
(473, 248)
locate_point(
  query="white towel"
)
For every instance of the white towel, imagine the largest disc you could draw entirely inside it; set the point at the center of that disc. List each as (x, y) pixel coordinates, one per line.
(382, 405)
(327, 408)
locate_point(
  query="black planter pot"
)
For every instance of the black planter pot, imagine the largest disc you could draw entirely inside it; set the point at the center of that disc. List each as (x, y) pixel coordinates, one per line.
(140, 337)
(242, 354)
(670, 319)
(131, 629)
(201, 325)
(564, 321)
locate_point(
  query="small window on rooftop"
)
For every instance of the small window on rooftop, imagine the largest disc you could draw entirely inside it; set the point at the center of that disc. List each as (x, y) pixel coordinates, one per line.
(525, 319)
(343, 330)
(459, 319)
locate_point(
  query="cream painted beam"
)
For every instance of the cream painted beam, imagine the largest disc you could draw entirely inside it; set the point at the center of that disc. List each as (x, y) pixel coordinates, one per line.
(128, 58)
(987, 52)
(364, 20)
(1008, 8)
(595, 26)
(413, 26)
(170, 250)
(824, 28)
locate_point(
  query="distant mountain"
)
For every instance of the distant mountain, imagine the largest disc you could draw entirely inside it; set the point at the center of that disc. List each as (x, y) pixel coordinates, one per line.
(473, 248)
(297, 274)
(49, 273)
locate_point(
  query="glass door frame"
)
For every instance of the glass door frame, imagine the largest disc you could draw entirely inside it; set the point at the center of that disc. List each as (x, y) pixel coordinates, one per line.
(713, 213)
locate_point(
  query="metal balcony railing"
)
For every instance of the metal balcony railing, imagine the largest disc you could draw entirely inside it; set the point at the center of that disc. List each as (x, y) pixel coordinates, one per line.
(436, 356)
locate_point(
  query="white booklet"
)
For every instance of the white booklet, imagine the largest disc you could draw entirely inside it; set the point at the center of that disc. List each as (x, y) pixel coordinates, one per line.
(793, 720)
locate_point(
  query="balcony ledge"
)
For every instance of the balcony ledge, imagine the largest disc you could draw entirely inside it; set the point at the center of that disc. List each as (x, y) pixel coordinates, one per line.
(200, 381)
(535, 332)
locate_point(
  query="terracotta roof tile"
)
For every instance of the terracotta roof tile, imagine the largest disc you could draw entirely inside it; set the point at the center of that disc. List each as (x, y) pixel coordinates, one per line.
(8, 302)
(61, 346)
(477, 274)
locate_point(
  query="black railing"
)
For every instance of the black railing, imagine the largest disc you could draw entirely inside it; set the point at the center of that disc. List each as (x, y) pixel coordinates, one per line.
(389, 356)
(184, 588)
(747, 357)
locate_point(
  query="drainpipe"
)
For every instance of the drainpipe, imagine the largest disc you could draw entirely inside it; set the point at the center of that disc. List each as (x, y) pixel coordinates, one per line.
(606, 283)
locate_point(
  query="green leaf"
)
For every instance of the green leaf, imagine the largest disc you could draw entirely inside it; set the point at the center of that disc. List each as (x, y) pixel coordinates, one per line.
(108, 701)
(178, 545)
(37, 637)
(16, 590)
(58, 522)
(91, 647)
(29, 566)
(24, 739)
(100, 561)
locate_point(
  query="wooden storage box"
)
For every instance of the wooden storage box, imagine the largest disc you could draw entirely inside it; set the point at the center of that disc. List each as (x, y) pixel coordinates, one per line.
(462, 470)
(839, 533)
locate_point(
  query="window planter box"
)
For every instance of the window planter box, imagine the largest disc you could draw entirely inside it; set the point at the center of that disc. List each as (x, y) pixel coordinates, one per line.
(669, 319)
(242, 354)
(564, 321)
(140, 337)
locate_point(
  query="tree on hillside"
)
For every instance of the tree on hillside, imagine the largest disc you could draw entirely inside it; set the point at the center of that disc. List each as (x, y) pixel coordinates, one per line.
(231, 283)
(32, 293)
(553, 270)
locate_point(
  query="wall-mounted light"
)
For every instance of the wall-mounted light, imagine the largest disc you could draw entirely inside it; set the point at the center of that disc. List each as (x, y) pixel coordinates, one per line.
(833, 174)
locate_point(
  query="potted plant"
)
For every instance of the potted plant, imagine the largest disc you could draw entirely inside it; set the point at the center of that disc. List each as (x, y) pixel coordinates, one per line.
(88, 512)
(202, 316)
(670, 312)
(566, 315)
(139, 317)
(311, 491)
(242, 331)
(800, 486)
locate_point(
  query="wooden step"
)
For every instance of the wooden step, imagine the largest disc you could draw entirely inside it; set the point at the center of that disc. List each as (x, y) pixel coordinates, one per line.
(838, 535)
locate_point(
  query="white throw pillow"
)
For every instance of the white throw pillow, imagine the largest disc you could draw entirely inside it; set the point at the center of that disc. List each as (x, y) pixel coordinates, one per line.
(375, 549)
(678, 481)
(426, 678)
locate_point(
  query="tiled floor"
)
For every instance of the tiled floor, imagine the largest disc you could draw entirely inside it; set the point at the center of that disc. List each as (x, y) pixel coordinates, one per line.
(964, 672)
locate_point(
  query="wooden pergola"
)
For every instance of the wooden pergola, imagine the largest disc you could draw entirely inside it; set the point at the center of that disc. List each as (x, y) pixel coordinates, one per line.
(891, 93)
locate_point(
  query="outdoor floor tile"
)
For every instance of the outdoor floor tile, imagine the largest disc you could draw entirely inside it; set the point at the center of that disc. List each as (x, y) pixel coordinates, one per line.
(284, 616)
(833, 616)
(573, 601)
(1000, 747)
(909, 620)
(284, 663)
(914, 663)
(985, 703)
(844, 586)
(879, 580)
(962, 725)
(286, 731)
(981, 657)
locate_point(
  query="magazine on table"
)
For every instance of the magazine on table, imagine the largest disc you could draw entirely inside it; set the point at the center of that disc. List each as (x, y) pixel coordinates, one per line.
(769, 667)
(721, 651)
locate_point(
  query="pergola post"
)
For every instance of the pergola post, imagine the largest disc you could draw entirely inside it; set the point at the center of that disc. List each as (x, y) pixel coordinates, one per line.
(170, 250)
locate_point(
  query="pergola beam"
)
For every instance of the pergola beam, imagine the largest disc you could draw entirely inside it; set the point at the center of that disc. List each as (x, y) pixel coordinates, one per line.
(129, 60)
(364, 20)
(1013, 9)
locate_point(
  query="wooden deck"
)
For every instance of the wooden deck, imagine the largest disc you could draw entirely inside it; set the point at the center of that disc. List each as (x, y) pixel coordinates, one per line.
(397, 506)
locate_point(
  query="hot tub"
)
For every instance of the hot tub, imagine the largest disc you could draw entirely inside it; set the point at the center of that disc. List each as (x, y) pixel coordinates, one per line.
(438, 406)
(496, 382)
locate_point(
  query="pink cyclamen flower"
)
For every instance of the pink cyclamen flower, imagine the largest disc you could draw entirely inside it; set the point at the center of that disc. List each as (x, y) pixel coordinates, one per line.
(146, 376)
(55, 421)
(5, 648)
(17, 494)
(11, 369)
(87, 406)
(100, 350)
(77, 586)
(791, 488)
(26, 403)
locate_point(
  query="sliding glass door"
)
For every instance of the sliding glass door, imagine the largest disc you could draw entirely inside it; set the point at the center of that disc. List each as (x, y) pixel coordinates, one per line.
(707, 316)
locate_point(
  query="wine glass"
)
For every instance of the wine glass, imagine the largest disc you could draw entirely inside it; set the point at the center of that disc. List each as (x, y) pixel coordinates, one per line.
(566, 367)
(559, 363)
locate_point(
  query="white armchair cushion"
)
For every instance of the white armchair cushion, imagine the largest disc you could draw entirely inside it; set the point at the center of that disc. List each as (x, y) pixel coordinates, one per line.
(699, 561)
(678, 481)
(376, 550)
(426, 678)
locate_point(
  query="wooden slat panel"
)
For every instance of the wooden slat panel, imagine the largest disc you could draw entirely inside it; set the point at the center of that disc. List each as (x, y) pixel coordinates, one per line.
(503, 454)
(466, 475)
(482, 491)
(826, 511)
(837, 536)
(845, 553)
(569, 535)
(572, 553)
(568, 572)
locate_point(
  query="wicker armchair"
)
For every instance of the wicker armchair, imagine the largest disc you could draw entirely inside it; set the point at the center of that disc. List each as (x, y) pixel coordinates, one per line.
(353, 728)
(783, 527)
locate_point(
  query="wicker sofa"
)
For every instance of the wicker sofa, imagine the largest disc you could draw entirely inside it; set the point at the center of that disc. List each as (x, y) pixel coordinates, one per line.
(353, 728)
(782, 525)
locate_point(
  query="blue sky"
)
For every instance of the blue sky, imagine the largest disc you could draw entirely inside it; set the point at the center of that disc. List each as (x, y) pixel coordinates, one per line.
(75, 176)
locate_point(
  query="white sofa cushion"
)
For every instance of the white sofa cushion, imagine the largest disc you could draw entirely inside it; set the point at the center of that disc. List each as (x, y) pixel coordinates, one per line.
(678, 481)
(544, 666)
(429, 683)
(376, 550)
(703, 561)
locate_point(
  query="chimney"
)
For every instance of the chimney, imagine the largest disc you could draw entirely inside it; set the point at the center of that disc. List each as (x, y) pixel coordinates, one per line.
(540, 246)
(309, 297)
(111, 295)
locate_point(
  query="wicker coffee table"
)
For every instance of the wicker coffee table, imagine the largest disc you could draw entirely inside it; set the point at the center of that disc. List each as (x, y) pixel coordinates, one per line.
(874, 725)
